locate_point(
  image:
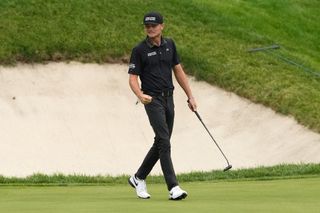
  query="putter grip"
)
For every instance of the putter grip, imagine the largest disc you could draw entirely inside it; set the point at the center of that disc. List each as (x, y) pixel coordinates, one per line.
(197, 114)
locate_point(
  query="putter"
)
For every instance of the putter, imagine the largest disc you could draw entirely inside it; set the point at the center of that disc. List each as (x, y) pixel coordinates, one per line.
(229, 165)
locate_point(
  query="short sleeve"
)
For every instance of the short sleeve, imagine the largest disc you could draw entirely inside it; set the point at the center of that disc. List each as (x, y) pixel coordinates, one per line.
(135, 62)
(175, 58)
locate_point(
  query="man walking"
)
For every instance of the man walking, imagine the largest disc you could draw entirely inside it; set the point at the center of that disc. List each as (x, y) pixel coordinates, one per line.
(153, 60)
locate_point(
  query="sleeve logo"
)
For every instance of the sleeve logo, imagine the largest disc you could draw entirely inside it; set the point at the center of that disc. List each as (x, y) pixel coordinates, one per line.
(132, 66)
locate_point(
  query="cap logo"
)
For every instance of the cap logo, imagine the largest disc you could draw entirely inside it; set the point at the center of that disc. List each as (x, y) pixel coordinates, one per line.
(148, 18)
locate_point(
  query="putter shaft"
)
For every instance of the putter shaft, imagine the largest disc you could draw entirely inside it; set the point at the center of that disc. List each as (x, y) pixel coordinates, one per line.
(229, 166)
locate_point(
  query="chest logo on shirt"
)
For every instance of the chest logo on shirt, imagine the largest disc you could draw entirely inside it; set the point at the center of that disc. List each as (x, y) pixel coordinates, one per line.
(152, 53)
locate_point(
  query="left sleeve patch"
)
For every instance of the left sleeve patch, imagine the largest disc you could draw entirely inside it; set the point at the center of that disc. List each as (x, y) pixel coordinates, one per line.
(132, 66)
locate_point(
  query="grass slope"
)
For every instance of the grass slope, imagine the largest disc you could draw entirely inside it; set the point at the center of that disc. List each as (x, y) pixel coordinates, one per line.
(261, 173)
(212, 37)
(294, 195)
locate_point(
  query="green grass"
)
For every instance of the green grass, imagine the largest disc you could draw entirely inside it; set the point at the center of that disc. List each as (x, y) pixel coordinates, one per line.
(284, 171)
(294, 195)
(212, 37)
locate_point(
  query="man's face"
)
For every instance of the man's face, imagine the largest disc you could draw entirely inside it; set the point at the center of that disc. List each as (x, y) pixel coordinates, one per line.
(153, 30)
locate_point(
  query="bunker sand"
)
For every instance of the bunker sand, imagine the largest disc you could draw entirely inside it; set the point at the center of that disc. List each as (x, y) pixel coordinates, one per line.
(82, 118)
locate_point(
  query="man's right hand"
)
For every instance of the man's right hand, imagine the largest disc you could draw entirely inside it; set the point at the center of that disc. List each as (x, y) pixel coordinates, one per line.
(145, 99)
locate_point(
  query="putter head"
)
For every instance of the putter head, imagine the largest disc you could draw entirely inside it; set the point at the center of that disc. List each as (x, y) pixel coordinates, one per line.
(227, 168)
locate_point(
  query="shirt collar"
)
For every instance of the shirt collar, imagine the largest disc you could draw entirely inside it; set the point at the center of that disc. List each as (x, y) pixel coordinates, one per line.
(149, 43)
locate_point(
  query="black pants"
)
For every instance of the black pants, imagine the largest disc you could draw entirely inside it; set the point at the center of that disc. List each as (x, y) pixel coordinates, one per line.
(161, 116)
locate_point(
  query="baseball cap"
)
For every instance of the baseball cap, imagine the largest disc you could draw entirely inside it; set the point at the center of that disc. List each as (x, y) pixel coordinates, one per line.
(152, 18)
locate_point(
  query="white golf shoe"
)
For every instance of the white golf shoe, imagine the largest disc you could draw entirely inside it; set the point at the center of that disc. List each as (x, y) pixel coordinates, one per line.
(140, 186)
(176, 193)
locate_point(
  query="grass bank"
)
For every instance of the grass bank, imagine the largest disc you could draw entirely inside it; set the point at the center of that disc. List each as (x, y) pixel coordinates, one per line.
(285, 171)
(212, 37)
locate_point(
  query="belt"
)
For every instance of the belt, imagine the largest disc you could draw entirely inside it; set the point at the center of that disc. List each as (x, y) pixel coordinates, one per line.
(166, 93)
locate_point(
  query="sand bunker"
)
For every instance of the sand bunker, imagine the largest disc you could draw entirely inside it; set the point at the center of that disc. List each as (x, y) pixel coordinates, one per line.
(82, 118)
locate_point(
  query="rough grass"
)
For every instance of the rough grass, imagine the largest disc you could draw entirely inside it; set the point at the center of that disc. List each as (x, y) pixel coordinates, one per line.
(284, 171)
(212, 37)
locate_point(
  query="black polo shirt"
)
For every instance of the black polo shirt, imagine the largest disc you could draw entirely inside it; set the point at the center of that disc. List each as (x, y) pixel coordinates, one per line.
(154, 64)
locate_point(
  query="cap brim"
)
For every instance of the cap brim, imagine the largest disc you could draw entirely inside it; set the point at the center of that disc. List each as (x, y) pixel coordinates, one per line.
(153, 23)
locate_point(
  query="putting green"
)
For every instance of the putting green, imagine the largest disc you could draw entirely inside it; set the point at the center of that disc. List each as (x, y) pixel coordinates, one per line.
(292, 195)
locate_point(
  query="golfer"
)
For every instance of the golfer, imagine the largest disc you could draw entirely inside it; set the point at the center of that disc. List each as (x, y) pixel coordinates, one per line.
(153, 60)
